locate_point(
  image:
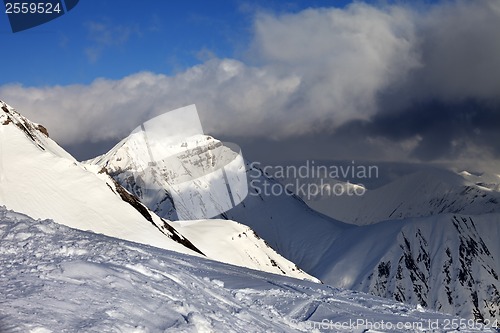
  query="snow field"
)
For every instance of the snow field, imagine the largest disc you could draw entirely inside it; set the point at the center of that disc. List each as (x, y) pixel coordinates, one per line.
(57, 279)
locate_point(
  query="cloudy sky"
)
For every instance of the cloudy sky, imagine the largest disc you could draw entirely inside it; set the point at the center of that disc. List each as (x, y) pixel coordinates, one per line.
(386, 80)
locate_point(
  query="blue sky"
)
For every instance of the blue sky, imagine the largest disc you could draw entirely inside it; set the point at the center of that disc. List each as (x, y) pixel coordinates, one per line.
(115, 38)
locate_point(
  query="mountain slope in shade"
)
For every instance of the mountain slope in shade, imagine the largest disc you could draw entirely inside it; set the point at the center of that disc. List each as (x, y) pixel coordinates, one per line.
(427, 192)
(40, 179)
(57, 279)
(285, 222)
(446, 262)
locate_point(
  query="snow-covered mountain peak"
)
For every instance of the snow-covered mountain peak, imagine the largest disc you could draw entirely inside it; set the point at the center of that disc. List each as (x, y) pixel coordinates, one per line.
(182, 160)
(37, 133)
(171, 127)
(42, 180)
(10, 115)
(174, 141)
(179, 174)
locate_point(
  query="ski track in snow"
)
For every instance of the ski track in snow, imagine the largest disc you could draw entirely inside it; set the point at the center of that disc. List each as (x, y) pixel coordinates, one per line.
(57, 279)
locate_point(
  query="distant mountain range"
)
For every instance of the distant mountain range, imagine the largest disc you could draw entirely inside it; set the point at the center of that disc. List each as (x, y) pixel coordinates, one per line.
(429, 191)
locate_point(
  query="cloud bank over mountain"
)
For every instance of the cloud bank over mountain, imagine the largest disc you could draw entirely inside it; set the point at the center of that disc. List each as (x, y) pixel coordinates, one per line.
(391, 82)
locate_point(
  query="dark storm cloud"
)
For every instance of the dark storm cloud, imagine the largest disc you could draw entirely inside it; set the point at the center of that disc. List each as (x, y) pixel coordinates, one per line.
(441, 129)
(450, 104)
(460, 51)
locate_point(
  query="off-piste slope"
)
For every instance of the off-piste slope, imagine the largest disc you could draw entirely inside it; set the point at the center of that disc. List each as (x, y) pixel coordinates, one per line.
(57, 279)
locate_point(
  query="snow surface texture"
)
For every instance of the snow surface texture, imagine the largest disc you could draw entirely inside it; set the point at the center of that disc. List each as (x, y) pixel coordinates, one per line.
(57, 279)
(40, 179)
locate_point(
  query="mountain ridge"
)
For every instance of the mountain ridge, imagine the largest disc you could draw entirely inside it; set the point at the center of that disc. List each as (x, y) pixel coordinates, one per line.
(447, 262)
(422, 193)
(268, 215)
(40, 179)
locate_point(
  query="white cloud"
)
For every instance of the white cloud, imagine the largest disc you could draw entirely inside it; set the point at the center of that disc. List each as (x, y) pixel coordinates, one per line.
(315, 65)
(310, 71)
(345, 57)
(231, 97)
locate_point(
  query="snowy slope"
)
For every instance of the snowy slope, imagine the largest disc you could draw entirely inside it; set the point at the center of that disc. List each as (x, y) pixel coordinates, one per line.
(427, 192)
(57, 279)
(284, 221)
(40, 179)
(235, 243)
(446, 262)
